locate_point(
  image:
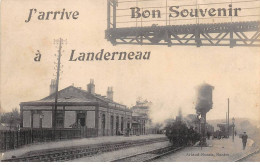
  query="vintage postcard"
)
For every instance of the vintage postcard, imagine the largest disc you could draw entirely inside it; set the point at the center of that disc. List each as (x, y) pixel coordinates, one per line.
(130, 81)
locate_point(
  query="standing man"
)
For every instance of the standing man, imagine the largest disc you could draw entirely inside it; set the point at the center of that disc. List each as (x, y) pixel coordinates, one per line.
(208, 135)
(244, 140)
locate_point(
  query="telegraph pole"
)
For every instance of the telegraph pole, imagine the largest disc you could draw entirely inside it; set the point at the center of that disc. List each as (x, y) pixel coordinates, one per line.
(60, 42)
(226, 118)
(226, 122)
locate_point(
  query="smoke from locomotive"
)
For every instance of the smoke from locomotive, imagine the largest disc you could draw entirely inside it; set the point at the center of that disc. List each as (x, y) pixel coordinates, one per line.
(204, 98)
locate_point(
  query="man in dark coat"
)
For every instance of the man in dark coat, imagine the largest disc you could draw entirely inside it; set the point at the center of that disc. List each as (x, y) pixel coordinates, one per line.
(244, 140)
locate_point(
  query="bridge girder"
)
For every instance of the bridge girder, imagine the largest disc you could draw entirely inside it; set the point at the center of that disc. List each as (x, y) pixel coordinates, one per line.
(223, 34)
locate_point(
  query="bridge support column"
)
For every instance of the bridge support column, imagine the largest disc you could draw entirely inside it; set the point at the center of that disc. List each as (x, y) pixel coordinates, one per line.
(167, 38)
(197, 37)
(232, 42)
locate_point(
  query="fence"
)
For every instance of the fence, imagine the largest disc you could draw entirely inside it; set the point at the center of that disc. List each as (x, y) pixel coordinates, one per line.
(15, 139)
(90, 132)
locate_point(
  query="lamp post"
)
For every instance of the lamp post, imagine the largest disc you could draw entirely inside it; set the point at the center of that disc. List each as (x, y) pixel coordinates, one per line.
(233, 126)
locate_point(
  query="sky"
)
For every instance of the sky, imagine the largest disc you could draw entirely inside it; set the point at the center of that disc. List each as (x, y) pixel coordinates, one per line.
(168, 79)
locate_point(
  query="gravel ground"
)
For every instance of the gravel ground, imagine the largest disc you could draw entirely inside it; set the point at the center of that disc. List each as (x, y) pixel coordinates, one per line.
(110, 156)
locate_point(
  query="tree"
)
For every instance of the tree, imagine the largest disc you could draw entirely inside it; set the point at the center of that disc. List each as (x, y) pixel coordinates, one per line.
(11, 118)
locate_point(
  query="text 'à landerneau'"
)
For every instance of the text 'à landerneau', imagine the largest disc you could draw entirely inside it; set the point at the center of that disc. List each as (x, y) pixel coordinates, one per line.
(104, 55)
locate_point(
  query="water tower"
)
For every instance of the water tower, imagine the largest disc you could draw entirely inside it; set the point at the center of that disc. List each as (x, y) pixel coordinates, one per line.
(203, 105)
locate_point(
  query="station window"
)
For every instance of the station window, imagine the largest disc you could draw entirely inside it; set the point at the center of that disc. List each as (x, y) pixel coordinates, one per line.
(59, 119)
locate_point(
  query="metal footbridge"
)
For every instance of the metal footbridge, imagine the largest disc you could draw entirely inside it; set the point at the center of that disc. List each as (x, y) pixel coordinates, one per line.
(160, 29)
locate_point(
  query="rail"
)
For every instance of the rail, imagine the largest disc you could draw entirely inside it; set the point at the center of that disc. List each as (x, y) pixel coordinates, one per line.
(149, 155)
(70, 153)
(248, 155)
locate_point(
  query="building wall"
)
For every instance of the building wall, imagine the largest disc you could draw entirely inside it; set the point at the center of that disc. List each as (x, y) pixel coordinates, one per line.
(102, 111)
(27, 119)
(108, 122)
(36, 120)
(69, 118)
(120, 122)
(32, 118)
(114, 128)
(141, 126)
(100, 123)
(47, 119)
(115, 113)
(93, 118)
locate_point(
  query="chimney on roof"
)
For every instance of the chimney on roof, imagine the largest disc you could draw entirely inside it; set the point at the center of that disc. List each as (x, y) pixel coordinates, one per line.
(53, 86)
(91, 86)
(110, 93)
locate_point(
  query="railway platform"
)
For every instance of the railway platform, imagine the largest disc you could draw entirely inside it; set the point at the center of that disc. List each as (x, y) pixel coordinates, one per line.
(74, 143)
(223, 150)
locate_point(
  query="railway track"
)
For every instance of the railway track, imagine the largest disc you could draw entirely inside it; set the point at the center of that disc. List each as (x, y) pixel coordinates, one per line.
(150, 155)
(70, 153)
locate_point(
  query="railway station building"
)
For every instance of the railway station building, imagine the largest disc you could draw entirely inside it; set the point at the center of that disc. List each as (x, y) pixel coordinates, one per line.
(97, 115)
(141, 123)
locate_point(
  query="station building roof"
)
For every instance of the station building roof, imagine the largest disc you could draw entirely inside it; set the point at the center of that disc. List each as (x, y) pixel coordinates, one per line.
(76, 96)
